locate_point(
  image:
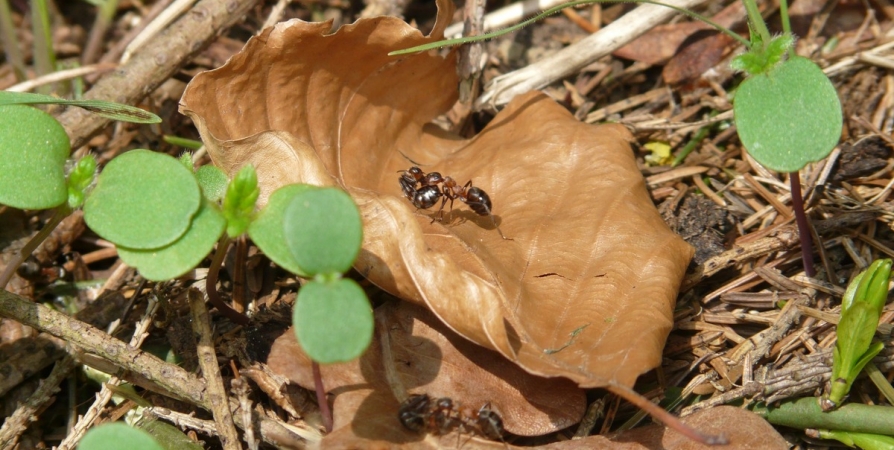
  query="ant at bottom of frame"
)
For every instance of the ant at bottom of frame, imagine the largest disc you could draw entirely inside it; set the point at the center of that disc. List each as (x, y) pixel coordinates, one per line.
(421, 413)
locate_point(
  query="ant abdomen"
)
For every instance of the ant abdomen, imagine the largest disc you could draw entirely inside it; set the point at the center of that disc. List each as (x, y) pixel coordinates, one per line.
(426, 197)
(478, 200)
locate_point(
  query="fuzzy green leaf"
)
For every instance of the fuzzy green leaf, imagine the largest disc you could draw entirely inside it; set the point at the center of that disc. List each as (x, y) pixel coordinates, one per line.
(788, 116)
(182, 255)
(213, 183)
(143, 200)
(266, 229)
(333, 320)
(323, 230)
(33, 151)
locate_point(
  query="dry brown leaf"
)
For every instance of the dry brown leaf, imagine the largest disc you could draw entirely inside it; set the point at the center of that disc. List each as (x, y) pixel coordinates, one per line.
(413, 352)
(665, 41)
(745, 430)
(585, 290)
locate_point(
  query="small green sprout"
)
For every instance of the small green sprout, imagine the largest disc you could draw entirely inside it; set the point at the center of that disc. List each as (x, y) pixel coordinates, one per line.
(852, 439)
(861, 307)
(240, 199)
(80, 178)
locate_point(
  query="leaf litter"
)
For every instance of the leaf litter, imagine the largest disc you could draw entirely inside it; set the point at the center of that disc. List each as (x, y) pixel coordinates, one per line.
(709, 318)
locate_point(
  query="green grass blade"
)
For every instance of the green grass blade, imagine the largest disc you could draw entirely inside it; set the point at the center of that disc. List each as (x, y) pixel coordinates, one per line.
(109, 110)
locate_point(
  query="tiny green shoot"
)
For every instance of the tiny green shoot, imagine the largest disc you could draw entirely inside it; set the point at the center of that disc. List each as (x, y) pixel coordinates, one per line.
(861, 308)
(239, 201)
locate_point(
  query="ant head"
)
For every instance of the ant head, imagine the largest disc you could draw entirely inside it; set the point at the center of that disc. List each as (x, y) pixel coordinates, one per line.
(432, 178)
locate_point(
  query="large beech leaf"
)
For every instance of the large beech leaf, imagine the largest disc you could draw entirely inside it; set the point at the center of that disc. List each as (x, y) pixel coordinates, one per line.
(585, 290)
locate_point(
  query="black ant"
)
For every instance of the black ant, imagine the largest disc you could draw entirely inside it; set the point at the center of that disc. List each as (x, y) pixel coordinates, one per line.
(428, 193)
(420, 413)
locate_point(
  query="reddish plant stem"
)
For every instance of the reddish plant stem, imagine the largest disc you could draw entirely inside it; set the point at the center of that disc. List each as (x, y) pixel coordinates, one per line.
(321, 397)
(211, 284)
(670, 420)
(803, 226)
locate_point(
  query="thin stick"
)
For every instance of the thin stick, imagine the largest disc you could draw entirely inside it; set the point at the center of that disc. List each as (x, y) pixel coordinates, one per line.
(216, 393)
(139, 366)
(105, 394)
(28, 412)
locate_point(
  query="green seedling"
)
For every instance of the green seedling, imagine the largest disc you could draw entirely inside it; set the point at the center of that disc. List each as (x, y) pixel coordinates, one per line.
(861, 307)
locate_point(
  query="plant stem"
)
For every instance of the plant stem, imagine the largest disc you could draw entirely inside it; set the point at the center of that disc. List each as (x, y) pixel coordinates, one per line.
(803, 226)
(61, 213)
(806, 413)
(321, 397)
(10, 43)
(757, 22)
(786, 23)
(44, 55)
(211, 284)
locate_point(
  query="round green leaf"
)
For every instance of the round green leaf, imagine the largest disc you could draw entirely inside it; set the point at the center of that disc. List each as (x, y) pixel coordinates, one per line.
(179, 257)
(333, 320)
(143, 200)
(323, 230)
(267, 232)
(213, 182)
(789, 116)
(33, 150)
(114, 436)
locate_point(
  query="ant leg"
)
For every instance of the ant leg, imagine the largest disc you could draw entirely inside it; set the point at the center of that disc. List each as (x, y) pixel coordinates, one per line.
(494, 221)
(440, 214)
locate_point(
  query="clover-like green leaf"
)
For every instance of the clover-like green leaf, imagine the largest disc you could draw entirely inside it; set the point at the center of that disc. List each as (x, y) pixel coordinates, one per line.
(323, 230)
(143, 200)
(333, 320)
(266, 229)
(788, 116)
(33, 150)
(179, 257)
(114, 436)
